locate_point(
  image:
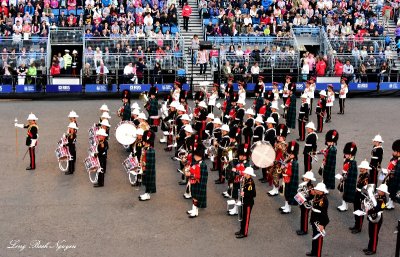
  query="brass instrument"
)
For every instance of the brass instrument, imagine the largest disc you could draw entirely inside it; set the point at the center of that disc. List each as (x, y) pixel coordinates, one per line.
(240, 204)
(305, 192)
(369, 202)
(313, 156)
(320, 232)
(228, 154)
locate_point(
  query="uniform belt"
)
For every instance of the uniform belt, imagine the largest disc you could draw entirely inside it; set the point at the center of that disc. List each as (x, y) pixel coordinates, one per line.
(373, 157)
(308, 145)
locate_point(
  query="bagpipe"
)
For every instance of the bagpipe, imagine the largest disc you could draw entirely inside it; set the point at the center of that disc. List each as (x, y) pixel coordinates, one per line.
(62, 153)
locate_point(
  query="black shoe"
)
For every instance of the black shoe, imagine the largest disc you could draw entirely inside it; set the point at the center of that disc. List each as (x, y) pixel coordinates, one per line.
(29, 168)
(262, 180)
(240, 236)
(352, 228)
(68, 173)
(369, 253)
(213, 169)
(356, 231)
(168, 149)
(97, 185)
(365, 250)
(220, 182)
(237, 233)
(301, 232)
(310, 254)
(339, 113)
(181, 183)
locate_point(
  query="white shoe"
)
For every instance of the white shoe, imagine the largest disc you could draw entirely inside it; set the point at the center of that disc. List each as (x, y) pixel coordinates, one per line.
(343, 207)
(191, 211)
(285, 207)
(287, 210)
(225, 194)
(194, 213)
(288, 131)
(145, 197)
(390, 205)
(233, 211)
(163, 140)
(274, 191)
(187, 195)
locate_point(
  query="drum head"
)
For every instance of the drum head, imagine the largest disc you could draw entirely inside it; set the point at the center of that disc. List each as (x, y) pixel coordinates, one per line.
(125, 133)
(263, 154)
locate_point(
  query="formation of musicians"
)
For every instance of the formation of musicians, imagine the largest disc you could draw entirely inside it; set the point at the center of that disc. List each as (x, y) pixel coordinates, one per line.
(227, 135)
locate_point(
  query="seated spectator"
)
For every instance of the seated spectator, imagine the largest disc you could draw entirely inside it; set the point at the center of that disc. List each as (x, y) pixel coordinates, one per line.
(227, 70)
(101, 72)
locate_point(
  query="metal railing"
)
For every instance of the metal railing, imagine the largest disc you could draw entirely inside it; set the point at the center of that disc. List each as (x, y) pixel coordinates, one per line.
(14, 60)
(66, 35)
(367, 42)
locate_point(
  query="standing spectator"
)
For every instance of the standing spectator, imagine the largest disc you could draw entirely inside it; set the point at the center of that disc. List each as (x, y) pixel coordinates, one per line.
(255, 71)
(31, 74)
(55, 69)
(338, 68)
(202, 59)
(348, 71)
(320, 67)
(140, 66)
(67, 62)
(186, 12)
(305, 70)
(195, 47)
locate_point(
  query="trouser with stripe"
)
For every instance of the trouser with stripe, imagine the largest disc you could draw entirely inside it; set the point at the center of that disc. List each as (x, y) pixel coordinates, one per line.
(373, 231)
(244, 224)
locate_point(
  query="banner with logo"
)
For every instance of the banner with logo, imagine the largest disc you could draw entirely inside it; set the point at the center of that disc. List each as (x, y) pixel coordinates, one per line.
(64, 88)
(26, 89)
(362, 86)
(169, 87)
(389, 86)
(137, 88)
(100, 88)
(6, 89)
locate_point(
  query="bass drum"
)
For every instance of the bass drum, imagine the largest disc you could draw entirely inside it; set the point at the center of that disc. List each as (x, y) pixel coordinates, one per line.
(262, 154)
(125, 133)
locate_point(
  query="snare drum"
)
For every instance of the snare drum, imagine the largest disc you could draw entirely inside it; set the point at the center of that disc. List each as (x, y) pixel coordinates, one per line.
(130, 164)
(93, 141)
(92, 164)
(62, 153)
(156, 121)
(63, 141)
(92, 131)
(300, 198)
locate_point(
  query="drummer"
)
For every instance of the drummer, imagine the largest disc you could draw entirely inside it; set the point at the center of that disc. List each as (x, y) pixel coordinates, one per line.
(134, 117)
(136, 151)
(103, 109)
(105, 124)
(71, 136)
(104, 116)
(102, 149)
(72, 116)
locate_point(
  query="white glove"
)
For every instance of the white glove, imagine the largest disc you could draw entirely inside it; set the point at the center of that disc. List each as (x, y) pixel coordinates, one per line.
(33, 142)
(19, 125)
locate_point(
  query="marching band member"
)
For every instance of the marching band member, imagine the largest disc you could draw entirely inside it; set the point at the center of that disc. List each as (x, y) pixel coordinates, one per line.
(187, 146)
(136, 150)
(72, 116)
(310, 146)
(105, 124)
(183, 99)
(259, 102)
(184, 120)
(212, 98)
(280, 150)
(135, 117)
(348, 181)
(265, 110)
(102, 149)
(166, 123)
(329, 103)
(222, 145)
(71, 136)
(275, 92)
(104, 108)
(200, 119)
(148, 164)
(208, 132)
(290, 106)
(319, 218)
(248, 193)
(143, 122)
(152, 108)
(104, 116)
(31, 138)
(259, 129)
(248, 126)
(328, 166)
(358, 197)
(240, 113)
(198, 181)
(177, 91)
(235, 175)
(308, 178)
(285, 92)
(269, 136)
(344, 89)
(303, 117)
(311, 93)
(376, 159)
(320, 110)
(290, 176)
(274, 112)
(375, 223)
(199, 97)
(125, 110)
(393, 177)
(217, 134)
(260, 86)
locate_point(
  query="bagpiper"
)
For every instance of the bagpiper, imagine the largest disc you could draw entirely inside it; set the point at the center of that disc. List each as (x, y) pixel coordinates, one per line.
(328, 166)
(376, 159)
(290, 177)
(152, 109)
(148, 165)
(31, 138)
(348, 181)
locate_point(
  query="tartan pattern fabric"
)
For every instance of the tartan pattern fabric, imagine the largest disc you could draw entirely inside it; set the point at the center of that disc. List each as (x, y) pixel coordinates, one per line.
(149, 178)
(293, 185)
(350, 182)
(291, 113)
(330, 168)
(153, 110)
(199, 190)
(394, 182)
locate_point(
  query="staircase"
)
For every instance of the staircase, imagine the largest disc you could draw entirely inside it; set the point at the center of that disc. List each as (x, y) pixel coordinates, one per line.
(195, 28)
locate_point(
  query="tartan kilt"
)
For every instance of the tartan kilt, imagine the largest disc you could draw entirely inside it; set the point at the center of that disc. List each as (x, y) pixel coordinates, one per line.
(330, 168)
(293, 185)
(235, 191)
(291, 113)
(350, 183)
(149, 178)
(394, 182)
(199, 190)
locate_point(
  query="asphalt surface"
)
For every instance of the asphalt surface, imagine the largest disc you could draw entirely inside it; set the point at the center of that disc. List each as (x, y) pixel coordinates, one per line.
(47, 206)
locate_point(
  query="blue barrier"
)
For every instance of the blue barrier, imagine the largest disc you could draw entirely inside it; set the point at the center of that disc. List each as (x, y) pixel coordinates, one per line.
(97, 88)
(25, 89)
(138, 88)
(64, 88)
(389, 86)
(6, 89)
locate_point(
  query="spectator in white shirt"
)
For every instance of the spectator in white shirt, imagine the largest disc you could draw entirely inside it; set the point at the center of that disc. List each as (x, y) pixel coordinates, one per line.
(255, 71)
(348, 70)
(239, 51)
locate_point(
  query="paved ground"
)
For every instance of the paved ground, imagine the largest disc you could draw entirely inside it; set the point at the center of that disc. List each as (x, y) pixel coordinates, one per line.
(48, 206)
